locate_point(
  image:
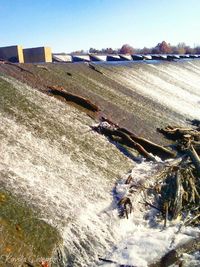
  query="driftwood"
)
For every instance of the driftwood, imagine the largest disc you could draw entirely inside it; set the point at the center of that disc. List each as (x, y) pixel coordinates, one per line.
(129, 179)
(176, 190)
(126, 205)
(125, 137)
(79, 100)
(188, 141)
(174, 255)
(151, 147)
(179, 133)
(182, 195)
(178, 193)
(195, 159)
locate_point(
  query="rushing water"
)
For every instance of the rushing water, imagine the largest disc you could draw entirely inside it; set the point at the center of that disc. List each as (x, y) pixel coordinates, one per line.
(50, 157)
(173, 85)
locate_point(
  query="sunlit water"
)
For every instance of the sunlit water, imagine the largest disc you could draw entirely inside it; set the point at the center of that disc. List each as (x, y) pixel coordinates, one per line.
(174, 85)
(50, 157)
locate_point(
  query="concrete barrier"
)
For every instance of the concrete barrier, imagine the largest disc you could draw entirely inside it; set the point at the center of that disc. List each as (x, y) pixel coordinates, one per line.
(137, 57)
(125, 57)
(80, 58)
(113, 58)
(95, 57)
(61, 58)
(12, 53)
(37, 55)
(147, 57)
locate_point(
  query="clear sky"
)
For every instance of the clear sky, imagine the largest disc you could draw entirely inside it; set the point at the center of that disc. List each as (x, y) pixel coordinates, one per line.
(68, 25)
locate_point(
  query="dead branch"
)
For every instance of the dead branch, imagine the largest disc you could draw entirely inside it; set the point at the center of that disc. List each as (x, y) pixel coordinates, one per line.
(126, 205)
(125, 139)
(179, 133)
(147, 145)
(129, 179)
(79, 100)
(151, 147)
(178, 190)
(195, 158)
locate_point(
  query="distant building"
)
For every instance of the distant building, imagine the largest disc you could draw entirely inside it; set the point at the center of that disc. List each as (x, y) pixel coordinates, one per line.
(37, 55)
(12, 53)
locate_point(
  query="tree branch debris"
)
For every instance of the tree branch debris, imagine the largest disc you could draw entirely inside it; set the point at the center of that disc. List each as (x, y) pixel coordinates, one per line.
(79, 100)
(176, 186)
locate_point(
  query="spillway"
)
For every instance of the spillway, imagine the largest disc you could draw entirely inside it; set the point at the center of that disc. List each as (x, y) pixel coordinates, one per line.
(51, 158)
(172, 85)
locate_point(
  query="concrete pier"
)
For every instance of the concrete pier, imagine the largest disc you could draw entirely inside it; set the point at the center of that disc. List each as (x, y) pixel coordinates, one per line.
(12, 53)
(125, 57)
(61, 58)
(147, 57)
(80, 58)
(94, 57)
(113, 58)
(137, 57)
(37, 55)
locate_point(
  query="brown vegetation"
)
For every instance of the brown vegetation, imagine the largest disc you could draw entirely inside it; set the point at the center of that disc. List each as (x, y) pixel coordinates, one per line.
(161, 48)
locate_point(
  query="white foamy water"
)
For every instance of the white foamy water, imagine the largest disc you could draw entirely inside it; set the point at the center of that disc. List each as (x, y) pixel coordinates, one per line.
(50, 157)
(59, 165)
(173, 85)
(143, 239)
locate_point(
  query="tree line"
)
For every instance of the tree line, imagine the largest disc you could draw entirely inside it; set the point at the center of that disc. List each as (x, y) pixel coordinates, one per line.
(160, 48)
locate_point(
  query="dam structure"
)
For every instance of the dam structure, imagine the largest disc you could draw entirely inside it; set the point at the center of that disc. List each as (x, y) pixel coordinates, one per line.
(118, 57)
(52, 159)
(13, 53)
(18, 54)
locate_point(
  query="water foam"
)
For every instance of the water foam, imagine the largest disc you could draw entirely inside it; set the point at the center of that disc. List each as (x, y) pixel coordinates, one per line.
(173, 85)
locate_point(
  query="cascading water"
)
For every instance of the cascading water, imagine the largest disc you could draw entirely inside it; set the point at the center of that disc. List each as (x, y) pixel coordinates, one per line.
(173, 85)
(50, 157)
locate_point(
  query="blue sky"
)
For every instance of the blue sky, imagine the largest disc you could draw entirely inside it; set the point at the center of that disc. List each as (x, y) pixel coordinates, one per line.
(68, 25)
